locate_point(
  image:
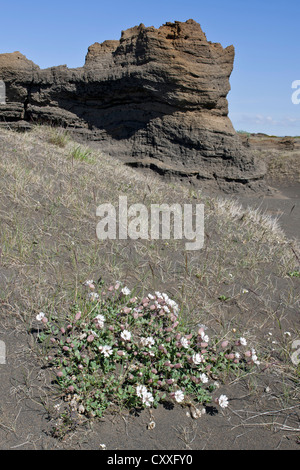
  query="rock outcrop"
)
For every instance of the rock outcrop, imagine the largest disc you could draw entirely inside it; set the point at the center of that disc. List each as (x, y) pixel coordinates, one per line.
(156, 98)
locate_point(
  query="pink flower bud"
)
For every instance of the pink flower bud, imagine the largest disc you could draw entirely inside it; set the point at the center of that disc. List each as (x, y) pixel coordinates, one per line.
(71, 388)
(178, 336)
(152, 307)
(224, 344)
(248, 354)
(45, 320)
(90, 338)
(121, 353)
(59, 374)
(189, 336)
(66, 348)
(63, 330)
(169, 381)
(78, 316)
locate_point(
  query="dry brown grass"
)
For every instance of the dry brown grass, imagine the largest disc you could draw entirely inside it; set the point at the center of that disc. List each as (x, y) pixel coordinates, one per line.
(49, 247)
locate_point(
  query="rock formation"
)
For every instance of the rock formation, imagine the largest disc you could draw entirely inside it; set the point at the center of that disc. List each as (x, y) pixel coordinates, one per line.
(155, 98)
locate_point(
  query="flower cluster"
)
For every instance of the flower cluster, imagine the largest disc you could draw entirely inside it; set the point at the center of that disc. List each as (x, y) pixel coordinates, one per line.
(120, 349)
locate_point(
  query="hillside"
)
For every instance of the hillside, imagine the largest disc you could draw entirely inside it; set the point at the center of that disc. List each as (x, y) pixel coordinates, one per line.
(244, 281)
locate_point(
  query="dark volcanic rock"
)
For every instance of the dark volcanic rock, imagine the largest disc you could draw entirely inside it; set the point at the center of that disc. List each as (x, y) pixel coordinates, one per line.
(156, 98)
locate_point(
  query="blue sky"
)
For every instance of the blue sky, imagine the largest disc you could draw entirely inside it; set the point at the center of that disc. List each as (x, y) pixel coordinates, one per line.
(265, 33)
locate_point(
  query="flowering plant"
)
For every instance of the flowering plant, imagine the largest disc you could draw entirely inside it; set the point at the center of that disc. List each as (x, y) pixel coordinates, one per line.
(117, 349)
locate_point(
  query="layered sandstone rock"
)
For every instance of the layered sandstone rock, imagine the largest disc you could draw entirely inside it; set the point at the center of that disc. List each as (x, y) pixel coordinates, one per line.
(156, 98)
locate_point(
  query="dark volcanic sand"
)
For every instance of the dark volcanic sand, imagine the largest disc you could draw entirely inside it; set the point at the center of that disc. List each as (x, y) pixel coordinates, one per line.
(283, 205)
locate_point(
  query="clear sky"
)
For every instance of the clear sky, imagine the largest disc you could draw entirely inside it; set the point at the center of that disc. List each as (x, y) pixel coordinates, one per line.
(265, 33)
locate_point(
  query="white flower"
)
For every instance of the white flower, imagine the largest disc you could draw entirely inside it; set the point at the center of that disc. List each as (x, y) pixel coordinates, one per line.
(287, 333)
(147, 341)
(166, 309)
(143, 393)
(100, 320)
(140, 390)
(197, 359)
(179, 396)
(203, 378)
(223, 401)
(126, 291)
(243, 341)
(184, 343)
(245, 291)
(40, 316)
(147, 398)
(204, 337)
(255, 360)
(171, 303)
(237, 355)
(158, 294)
(151, 425)
(150, 297)
(126, 335)
(93, 296)
(89, 283)
(106, 350)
